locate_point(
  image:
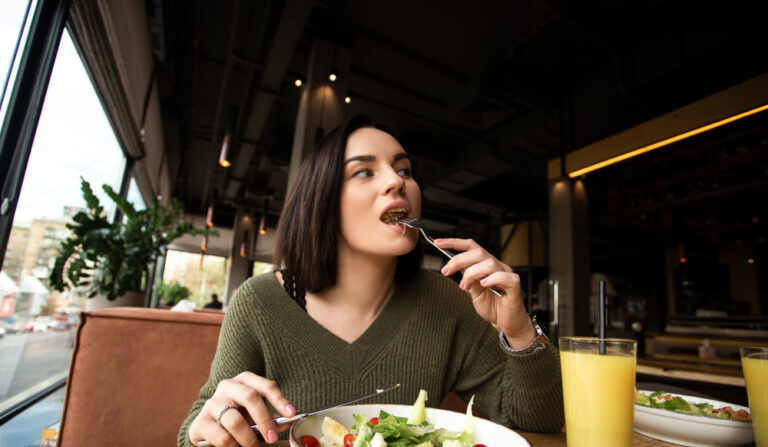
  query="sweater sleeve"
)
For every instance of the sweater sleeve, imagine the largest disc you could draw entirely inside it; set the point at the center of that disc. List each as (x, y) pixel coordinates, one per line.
(238, 350)
(519, 391)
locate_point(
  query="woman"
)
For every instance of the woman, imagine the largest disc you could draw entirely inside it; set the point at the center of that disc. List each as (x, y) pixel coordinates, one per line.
(352, 312)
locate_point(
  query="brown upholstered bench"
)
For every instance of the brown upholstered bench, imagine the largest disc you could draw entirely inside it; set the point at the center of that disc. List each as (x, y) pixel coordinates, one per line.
(134, 374)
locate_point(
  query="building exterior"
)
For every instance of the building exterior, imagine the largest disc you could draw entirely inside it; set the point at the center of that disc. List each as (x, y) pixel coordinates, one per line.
(43, 241)
(31, 252)
(14, 255)
(32, 297)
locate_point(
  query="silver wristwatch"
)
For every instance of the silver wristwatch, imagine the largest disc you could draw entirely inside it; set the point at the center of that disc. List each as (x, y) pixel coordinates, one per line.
(539, 342)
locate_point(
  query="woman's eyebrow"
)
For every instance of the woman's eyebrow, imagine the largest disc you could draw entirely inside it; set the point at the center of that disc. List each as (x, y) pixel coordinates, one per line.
(360, 158)
(369, 158)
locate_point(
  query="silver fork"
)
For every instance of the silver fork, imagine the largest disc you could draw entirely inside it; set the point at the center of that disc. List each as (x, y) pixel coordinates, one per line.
(418, 224)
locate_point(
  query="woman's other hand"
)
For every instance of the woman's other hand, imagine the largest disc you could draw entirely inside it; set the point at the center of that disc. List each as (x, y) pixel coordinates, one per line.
(246, 393)
(481, 271)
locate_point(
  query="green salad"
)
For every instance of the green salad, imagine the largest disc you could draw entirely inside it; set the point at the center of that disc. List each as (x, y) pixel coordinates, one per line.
(388, 430)
(667, 401)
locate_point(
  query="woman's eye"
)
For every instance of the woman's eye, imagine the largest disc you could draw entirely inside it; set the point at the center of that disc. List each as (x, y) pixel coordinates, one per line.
(405, 172)
(363, 173)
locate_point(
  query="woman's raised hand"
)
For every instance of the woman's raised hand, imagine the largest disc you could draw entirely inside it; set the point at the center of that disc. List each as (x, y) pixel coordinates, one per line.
(482, 270)
(226, 418)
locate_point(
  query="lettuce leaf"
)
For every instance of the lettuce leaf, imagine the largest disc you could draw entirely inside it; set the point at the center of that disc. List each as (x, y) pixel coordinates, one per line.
(419, 410)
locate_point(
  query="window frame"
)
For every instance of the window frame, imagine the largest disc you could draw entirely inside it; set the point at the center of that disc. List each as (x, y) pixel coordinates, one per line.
(17, 133)
(24, 106)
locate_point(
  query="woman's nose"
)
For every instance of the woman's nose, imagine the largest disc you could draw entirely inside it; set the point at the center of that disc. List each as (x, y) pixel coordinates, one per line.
(394, 182)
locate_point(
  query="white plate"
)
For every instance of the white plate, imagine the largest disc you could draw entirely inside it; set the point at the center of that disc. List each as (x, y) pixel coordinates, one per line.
(486, 432)
(692, 430)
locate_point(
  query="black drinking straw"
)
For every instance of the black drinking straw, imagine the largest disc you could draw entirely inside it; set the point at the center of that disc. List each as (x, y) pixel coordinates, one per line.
(603, 317)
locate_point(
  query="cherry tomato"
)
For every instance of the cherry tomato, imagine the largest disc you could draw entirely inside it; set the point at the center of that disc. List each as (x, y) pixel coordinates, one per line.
(373, 421)
(349, 440)
(309, 441)
(479, 445)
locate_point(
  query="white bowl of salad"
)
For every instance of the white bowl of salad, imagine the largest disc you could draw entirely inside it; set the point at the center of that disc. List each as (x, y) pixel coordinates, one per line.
(692, 421)
(400, 426)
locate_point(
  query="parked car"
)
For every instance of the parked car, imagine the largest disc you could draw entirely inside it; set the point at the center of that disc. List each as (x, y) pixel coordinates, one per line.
(34, 326)
(60, 325)
(2, 332)
(12, 328)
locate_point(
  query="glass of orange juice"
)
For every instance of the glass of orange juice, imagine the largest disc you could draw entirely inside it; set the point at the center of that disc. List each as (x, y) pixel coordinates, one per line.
(598, 390)
(754, 363)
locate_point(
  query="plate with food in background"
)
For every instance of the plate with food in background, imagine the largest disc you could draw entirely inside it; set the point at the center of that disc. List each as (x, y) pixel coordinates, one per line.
(692, 421)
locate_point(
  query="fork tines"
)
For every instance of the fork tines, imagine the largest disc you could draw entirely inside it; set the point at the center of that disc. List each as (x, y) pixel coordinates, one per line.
(410, 222)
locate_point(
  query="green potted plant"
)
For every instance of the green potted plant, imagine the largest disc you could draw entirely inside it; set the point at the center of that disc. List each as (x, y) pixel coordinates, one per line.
(113, 259)
(171, 293)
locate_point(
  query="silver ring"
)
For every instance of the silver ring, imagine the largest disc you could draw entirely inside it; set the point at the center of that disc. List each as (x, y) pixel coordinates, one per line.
(223, 409)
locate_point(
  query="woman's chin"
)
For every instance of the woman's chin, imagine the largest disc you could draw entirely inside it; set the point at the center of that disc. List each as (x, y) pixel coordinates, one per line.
(404, 246)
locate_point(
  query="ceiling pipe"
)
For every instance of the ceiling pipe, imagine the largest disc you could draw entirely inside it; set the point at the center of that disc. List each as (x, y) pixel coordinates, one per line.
(290, 26)
(245, 104)
(220, 98)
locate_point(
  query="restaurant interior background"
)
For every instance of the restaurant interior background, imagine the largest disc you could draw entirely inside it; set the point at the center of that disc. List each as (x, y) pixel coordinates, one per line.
(490, 98)
(484, 98)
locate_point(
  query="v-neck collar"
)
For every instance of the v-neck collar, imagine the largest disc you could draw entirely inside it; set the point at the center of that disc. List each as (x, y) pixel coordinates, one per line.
(327, 348)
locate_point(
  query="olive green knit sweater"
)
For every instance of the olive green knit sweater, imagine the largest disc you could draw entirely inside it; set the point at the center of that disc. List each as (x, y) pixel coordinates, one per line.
(428, 336)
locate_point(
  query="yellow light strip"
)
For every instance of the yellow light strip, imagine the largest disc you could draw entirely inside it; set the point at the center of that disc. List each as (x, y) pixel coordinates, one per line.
(662, 143)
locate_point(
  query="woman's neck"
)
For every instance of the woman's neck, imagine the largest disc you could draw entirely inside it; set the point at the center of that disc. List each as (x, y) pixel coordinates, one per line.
(364, 285)
(362, 281)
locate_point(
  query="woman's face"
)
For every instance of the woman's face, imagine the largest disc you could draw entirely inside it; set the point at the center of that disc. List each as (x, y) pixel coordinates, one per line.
(377, 182)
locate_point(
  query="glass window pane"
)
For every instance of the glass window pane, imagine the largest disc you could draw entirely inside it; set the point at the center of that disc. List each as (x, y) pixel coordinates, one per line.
(201, 275)
(73, 139)
(45, 413)
(13, 15)
(134, 196)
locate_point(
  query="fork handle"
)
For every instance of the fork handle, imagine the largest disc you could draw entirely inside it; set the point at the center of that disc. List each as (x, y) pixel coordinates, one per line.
(496, 291)
(447, 253)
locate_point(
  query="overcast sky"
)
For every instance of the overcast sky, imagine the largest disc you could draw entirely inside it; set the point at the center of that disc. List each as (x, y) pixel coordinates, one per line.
(73, 135)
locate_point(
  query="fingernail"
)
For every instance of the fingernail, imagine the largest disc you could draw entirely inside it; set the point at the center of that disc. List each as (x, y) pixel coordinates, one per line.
(444, 271)
(438, 240)
(290, 409)
(483, 281)
(461, 285)
(271, 436)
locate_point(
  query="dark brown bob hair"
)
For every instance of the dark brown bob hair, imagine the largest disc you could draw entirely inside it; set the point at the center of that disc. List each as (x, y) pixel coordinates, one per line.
(308, 230)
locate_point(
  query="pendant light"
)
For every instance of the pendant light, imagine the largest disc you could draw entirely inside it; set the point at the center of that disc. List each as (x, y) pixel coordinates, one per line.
(224, 155)
(262, 230)
(243, 248)
(209, 216)
(262, 221)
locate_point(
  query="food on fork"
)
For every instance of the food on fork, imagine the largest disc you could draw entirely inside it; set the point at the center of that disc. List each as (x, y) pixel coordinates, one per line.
(393, 214)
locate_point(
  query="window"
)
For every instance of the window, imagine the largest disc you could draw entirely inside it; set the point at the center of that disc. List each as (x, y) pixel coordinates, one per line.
(134, 196)
(261, 267)
(201, 275)
(13, 28)
(73, 139)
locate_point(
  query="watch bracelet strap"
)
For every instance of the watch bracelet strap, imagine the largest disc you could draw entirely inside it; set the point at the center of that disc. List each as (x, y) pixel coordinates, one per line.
(540, 341)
